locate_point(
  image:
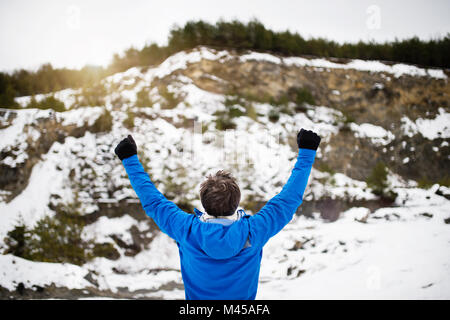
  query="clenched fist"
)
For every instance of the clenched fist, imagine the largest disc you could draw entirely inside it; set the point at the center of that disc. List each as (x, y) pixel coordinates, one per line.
(126, 148)
(307, 139)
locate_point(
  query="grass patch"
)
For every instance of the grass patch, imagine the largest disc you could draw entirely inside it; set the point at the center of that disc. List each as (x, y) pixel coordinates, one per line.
(345, 120)
(282, 103)
(274, 115)
(103, 123)
(224, 121)
(129, 120)
(425, 183)
(53, 239)
(57, 239)
(92, 96)
(170, 100)
(49, 102)
(235, 104)
(324, 167)
(377, 181)
(301, 96)
(143, 99)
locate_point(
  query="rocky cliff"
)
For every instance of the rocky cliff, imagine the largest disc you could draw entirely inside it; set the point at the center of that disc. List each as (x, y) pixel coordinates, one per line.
(385, 130)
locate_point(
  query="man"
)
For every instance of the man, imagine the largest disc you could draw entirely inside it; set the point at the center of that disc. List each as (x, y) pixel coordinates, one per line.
(221, 249)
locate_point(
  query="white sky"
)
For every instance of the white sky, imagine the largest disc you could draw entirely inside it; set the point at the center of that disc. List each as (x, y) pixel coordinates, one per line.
(73, 33)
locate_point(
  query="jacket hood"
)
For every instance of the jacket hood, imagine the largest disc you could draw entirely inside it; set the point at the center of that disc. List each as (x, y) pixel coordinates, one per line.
(222, 241)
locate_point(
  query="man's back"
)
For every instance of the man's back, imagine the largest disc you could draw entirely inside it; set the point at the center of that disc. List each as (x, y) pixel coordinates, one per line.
(217, 261)
(221, 260)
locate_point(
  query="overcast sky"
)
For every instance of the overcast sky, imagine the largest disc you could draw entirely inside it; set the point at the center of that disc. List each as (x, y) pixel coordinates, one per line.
(73, 33)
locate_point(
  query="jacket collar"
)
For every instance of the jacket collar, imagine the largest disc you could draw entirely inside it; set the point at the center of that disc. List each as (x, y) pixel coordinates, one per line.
(223, 220)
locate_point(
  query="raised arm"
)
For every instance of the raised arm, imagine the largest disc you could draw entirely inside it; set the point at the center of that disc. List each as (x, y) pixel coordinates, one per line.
(279, 210)
(170, 219)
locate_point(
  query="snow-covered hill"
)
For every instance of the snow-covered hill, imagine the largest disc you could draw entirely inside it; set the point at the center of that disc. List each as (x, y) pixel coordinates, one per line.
(345, 242)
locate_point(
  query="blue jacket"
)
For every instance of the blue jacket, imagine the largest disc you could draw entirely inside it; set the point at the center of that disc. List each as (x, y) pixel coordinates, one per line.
(221, 261)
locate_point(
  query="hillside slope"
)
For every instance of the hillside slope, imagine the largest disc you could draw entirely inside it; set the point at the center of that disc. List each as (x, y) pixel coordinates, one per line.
(389, 233)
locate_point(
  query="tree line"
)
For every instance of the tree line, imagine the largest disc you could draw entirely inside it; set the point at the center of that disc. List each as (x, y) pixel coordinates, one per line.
(223, 35)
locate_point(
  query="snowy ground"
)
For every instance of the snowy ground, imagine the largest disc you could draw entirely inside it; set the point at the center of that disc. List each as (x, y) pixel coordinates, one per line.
(398, 253)
(391, 253)
(406, 258)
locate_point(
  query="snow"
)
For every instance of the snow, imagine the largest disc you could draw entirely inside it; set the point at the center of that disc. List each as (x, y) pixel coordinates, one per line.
(81, 116)
(378, 135)
(379, 259)
(67, 96)
(336, 92)
(124, 78)
(337, 186)
(260, 57)
(31, 204)
(181, 60)
(14, 137)
(104, 227)
(392, 252)
(15, 270)
(378, 86)
(25, 100)
(397, 70)
(439, 127)
(139, 281)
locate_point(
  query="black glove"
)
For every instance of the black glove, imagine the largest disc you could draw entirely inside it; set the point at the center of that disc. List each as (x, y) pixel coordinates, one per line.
(126, 148)
(307, 139)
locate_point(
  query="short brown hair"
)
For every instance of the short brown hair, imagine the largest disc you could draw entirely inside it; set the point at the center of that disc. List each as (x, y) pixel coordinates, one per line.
(220, 194)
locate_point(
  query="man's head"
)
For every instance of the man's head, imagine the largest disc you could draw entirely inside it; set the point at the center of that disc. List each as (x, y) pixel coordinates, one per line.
(220, 194)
